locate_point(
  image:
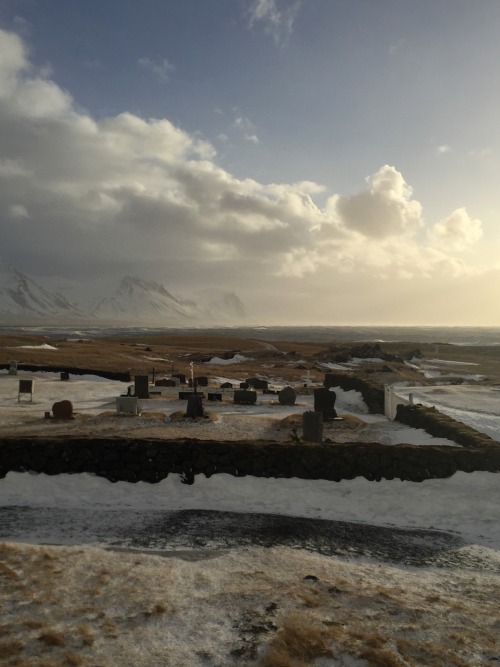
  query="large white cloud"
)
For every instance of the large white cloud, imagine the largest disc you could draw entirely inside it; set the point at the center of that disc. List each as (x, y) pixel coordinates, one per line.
(386, 208)
(457, 231)
(84, 197)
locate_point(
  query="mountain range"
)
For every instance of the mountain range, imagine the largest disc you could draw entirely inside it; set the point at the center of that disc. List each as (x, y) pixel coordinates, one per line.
(135, 301)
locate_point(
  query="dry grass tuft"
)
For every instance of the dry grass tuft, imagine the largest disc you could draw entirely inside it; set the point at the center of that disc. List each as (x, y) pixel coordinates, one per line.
(298, 641)
(8, 572)
(384, 657)
(158, 609)
(73, 660)
(33, 623)
(52, 638)
(10, 648)
(86, 634)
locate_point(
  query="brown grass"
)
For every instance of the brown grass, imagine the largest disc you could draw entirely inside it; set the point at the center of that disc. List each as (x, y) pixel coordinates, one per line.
(52, 638)
(86, 635)
(158, 609)
(73, 660)
(297, 642)
(10, 648)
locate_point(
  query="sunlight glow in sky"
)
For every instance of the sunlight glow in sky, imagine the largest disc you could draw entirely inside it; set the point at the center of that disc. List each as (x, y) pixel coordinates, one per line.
(330, 161)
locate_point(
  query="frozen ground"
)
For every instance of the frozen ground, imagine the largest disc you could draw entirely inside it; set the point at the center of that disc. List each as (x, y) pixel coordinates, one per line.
(260, 572)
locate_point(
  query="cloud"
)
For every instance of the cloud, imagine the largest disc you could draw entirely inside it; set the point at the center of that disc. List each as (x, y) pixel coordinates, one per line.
(82, 197)
(386, 208)
(246, 127)
(277, 19)
(443, 149)
(161, 68)
(18, 211)
(457, 231)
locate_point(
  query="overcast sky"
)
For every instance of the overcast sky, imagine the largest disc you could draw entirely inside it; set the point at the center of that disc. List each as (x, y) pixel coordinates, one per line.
(330, 161)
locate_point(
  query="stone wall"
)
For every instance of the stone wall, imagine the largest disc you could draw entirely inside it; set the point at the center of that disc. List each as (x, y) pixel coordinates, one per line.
(153, 460)
(441, 426)
(109, 375)
(373, 394)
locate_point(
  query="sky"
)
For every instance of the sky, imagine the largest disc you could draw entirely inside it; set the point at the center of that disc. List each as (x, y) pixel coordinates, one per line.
(330, 161)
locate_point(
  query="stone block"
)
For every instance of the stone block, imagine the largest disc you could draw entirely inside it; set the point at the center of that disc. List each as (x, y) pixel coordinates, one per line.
(128, 405)
(62, 410)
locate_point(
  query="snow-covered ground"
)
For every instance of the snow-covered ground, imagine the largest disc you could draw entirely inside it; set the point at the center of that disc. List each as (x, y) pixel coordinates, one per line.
(78, 604)
(474, 405)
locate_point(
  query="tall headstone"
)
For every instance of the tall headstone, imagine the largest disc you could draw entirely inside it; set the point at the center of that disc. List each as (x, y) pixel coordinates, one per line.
(324, 402)
(287, 396)
(194, 406)
(312, 426)
(13, 368)
(141, 386)
(330, 380)
(26, 387)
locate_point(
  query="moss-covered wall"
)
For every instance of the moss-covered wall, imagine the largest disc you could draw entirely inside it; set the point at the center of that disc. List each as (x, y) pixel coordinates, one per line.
(441, 426)
(153, 460)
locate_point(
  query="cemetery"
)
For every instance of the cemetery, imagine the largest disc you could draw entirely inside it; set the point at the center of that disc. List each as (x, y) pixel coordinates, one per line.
(198, 413)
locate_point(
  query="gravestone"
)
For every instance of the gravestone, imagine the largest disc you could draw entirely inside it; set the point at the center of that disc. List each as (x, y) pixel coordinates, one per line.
(62, 410)
(257, 383)
(226, 385)
(167, 382)
(324, 402)
(214, 396)
(243, 385)
(245, 397)
(194, 406)
(128, 405)
(201, 381)
(312, 426)
(64, 375)
(13, 368)
(141, 386)
(287, 396)
(26, 387)
(180, 377)
(330, 381)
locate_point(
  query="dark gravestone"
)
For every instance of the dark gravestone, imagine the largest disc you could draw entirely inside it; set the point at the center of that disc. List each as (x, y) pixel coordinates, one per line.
(257, 383)
(226, 385)
(287, 396)
(165, 382)
(62, 410)
(141, 386)
(214, 396)
(195, 406)
(64, 375)
(329, 381)
(245, 397)
(324, 402)
(312, 426)
(201, 381)
(243, 385)
(26, 387)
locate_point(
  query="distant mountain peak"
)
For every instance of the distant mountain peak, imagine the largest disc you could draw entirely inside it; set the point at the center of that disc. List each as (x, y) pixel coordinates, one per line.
(135, 301)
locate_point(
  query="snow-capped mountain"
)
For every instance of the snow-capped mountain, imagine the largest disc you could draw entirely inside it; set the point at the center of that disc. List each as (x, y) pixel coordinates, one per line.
(145, 301)
(21, 298)
(135, 301)
(150, 302)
